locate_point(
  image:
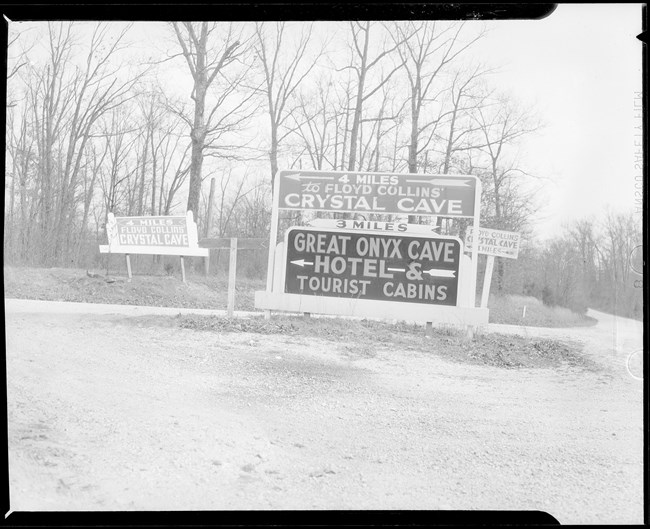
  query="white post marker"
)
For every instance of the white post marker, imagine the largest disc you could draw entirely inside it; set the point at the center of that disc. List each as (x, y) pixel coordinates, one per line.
(128, 265)
(232, 272)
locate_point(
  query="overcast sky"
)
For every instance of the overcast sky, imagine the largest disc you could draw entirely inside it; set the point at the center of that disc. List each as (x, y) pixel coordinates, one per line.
(581, 68)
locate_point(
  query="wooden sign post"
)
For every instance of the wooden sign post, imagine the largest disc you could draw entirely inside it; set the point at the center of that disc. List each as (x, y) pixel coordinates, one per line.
(233, 245)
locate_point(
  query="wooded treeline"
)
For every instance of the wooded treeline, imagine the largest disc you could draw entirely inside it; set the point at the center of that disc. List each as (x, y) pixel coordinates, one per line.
(95, 124)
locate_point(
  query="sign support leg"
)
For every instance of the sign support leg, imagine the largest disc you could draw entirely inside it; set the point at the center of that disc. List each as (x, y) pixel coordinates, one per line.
(128, 265)
(206, 264)
(183, 268)
(273, 235)
(487, 281)
(232, 273)
(477, 214)
(428, 330)
(273, 238)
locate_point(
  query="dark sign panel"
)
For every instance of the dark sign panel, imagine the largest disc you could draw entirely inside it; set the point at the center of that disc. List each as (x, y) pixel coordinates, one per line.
(152, 231)
(377, 266)
(390, 193)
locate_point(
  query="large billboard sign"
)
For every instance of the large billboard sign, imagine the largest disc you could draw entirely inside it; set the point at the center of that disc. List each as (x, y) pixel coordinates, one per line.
(383, 193)
(372, 265)
(498, 243)
(383, 267)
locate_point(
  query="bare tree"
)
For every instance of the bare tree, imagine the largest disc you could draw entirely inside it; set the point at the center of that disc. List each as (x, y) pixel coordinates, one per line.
(114, 171)
(363, 64)
(255, 215)
(315, 124)
(95, 161)
(426, 48)
(499, 126)
(383, 122)
(463, 100)
(67, 98)
(171, 155)
(281, 78)
(209, 49)
(228, 203)
(21, 167)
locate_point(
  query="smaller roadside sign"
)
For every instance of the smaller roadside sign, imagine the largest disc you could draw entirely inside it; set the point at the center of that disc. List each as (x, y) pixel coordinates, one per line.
(494, 242)
(152, 231)
(156, 235)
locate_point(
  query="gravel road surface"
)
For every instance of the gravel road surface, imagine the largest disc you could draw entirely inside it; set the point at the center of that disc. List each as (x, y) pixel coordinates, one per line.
(116, 412)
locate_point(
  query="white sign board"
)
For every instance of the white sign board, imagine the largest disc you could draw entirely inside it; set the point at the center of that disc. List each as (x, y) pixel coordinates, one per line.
(346, 224)
(153, 235)
(494, 242)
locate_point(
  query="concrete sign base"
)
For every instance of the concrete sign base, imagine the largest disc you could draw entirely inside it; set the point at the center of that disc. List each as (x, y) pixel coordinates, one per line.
(387, 310)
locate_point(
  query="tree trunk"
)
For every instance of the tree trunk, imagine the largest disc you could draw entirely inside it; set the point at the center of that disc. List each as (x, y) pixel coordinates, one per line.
(273, 153)
(153, 175)
(356, 122)
(413, 144)
(198, 140)
(450, 140)
(143, 174)
(208, 216)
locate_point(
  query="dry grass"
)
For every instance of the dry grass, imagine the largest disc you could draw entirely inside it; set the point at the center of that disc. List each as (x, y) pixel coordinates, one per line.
(509, 309)
(164, 290)
(365, 338)
(354, 338)
(70, 284)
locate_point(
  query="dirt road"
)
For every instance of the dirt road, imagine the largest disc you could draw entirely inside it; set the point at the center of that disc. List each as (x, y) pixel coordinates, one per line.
(109, 412)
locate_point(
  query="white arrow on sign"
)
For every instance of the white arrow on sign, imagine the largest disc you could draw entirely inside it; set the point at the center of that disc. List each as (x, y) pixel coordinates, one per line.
(396, 269)
(297, 177)
(301, 262)
(452, 182)
(435, 272)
